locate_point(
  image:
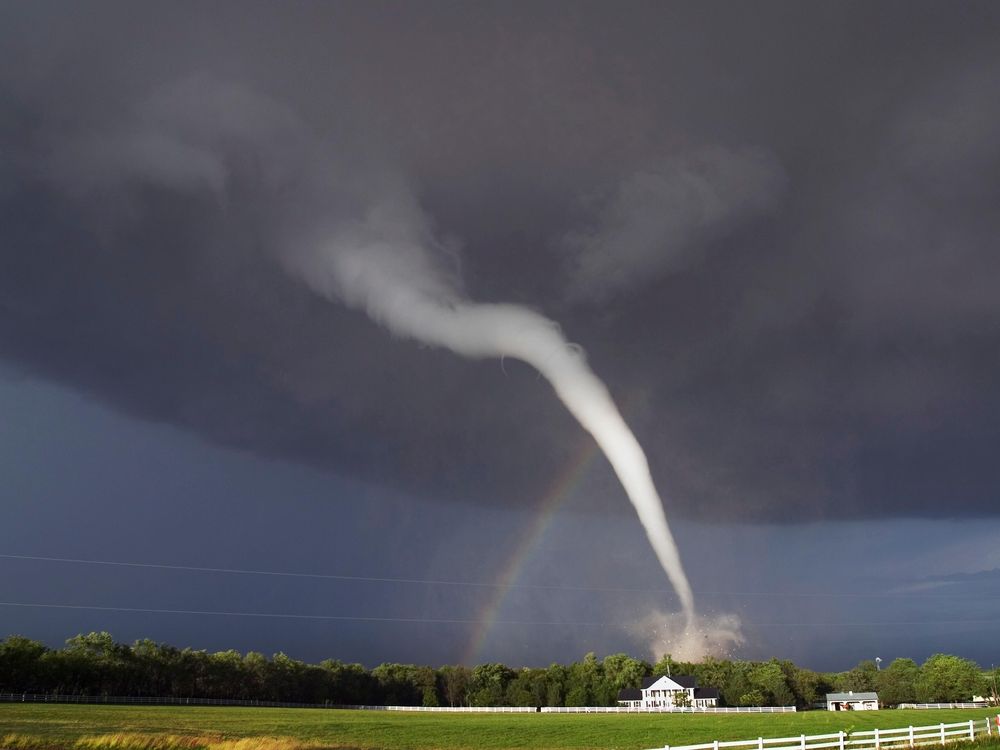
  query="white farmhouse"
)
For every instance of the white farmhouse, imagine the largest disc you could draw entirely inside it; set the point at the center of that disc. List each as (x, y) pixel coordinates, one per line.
(852, 701)
(669, 692)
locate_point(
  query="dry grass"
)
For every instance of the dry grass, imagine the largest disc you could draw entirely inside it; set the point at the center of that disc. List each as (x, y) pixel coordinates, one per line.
(263, 743)
(139, 741)
(24, 742)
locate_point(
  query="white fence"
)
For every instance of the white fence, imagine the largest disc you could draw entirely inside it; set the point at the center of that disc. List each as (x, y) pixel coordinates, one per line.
(874, 739)
(972, 704)
(688, 710)
(579, 709)
(457, 709)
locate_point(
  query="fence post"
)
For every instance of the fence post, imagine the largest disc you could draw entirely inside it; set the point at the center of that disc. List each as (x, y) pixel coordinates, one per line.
(942, 732)
(876, 738)
(841, 733)
(715, 745)
(760, 743)
(972, 730)
(803, 741)
(911, 735)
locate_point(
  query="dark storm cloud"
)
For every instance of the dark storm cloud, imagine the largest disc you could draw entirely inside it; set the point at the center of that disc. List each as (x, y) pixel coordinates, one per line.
(773, 230)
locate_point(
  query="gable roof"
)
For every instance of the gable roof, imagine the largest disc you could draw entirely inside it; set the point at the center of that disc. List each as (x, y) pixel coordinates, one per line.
(682, 681)
(852, 696)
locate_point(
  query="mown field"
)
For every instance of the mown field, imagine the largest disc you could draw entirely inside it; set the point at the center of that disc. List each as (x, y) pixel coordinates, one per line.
(64, 725)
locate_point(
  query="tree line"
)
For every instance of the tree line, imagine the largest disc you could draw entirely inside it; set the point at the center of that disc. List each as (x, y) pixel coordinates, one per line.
(95, 664)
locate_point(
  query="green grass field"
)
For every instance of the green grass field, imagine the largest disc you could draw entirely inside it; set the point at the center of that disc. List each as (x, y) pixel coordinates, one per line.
(63, 725)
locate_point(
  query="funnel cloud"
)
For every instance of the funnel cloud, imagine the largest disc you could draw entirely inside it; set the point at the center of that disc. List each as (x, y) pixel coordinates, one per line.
(396, 287)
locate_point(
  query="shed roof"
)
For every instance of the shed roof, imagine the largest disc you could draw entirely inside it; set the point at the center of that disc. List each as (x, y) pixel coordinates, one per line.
(850, 697)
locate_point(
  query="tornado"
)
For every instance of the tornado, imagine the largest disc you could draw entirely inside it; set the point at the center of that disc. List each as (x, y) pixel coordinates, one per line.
(396, 284)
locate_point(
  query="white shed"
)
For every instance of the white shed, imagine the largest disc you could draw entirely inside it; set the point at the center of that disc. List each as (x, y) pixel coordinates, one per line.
(851, 701)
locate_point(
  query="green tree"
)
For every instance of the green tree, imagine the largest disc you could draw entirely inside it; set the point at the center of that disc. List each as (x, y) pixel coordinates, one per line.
(769, 680)
(21, 665)
(622, 671)
(861, 679)
(425, 681)
(556, 678)
(667, 666)
(805, 684)
(897, 683)
(398, 685)
(348, 684)
(738, 685)
(489, 685)
(586, 685)
(945, 678)
(454, 684)
(713, 672)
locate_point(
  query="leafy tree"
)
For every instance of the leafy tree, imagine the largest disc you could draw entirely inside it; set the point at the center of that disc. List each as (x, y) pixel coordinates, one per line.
(454, 684)
(861, 679)
(20, 664)
(155, 662)
(713, 672)
(348, 684)
(577, 695)
(897, 683)
(737, 685)
(586, 685)
(489, 685)
(556, 677)
(945, 678)
(667, 666)
(769, 680)
(622, 671)
(398, 685)
(425, 681)
(805, 684)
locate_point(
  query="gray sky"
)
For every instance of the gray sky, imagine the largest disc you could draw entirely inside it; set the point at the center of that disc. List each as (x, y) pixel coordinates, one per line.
(772, 228)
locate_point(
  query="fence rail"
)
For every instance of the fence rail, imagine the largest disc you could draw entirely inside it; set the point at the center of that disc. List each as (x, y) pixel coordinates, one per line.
(686, 710)
(874, 739)
(967, 704)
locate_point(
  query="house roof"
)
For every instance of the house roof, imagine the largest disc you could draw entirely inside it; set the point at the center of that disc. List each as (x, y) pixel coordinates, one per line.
(630, 694)
(706, 693)
(850, 697)
(685, 681)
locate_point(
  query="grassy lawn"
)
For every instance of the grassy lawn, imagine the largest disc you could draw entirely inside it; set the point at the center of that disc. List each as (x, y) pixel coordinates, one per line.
(62, 725)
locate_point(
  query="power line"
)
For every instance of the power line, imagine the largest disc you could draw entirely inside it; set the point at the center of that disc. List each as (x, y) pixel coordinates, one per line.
(484, 584)
(465, 621)
(327, 576)
(293, 616)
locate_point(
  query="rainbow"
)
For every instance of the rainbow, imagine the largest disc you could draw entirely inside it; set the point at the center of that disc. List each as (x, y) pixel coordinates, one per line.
(562, 487)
